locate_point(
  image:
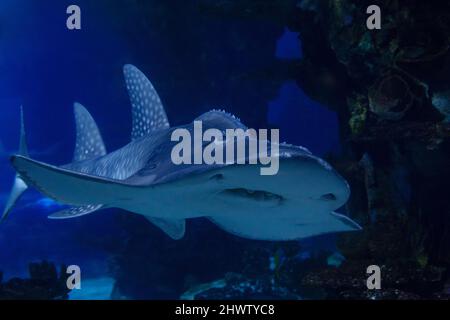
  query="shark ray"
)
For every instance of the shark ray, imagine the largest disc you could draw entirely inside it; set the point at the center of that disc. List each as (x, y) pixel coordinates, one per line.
(298, 202)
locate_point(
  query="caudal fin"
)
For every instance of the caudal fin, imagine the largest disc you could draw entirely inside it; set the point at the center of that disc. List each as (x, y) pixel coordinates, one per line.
(19, 186)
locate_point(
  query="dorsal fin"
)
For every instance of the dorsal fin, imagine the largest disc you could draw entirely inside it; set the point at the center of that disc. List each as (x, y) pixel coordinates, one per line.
(75, 212)
(89, 142)
(147, 110)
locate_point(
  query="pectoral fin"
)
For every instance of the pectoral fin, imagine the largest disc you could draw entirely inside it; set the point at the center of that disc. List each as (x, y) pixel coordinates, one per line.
(71, 187)
(75, 212)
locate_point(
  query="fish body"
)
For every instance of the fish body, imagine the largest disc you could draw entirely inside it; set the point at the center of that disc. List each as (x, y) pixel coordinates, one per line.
(141, 177)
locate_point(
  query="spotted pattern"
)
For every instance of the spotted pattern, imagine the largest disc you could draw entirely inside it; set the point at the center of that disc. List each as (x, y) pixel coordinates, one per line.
(89, 142)
(147, 109)
(74, 212)
(119, 164)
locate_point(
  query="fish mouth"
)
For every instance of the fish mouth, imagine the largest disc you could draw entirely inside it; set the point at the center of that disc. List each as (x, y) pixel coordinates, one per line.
(255, 195)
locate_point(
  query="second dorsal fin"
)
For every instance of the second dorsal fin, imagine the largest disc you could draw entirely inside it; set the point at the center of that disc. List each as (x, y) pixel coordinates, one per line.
(147, 110)
(89, 142)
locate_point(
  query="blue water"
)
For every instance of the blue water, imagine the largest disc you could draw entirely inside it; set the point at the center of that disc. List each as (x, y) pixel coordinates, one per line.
(45, 68)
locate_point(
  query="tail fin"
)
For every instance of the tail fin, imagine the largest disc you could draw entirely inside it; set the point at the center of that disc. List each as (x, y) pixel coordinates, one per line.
(19, 185)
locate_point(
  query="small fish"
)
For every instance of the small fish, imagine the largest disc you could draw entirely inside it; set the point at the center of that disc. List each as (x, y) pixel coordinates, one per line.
(335, 259)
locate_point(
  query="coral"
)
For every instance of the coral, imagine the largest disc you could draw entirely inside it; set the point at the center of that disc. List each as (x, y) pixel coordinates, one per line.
(441, 101)
(398, 282)
(393, 112)
(390, 97)
(358, 115)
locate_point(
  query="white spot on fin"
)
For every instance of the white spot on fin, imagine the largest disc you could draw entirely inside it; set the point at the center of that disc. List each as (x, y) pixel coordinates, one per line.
(147, 110)
(173, 228)
(75, 212)
(89, 143)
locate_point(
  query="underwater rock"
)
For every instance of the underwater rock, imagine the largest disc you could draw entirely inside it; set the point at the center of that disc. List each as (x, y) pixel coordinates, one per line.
(238, 287)
(413, 41)
(153, 266)
(441, 101)
(429, 133)
(390, 98)
(198, 289)
(398, 282)
(423, 51)
(43, 284)
(358, 107)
